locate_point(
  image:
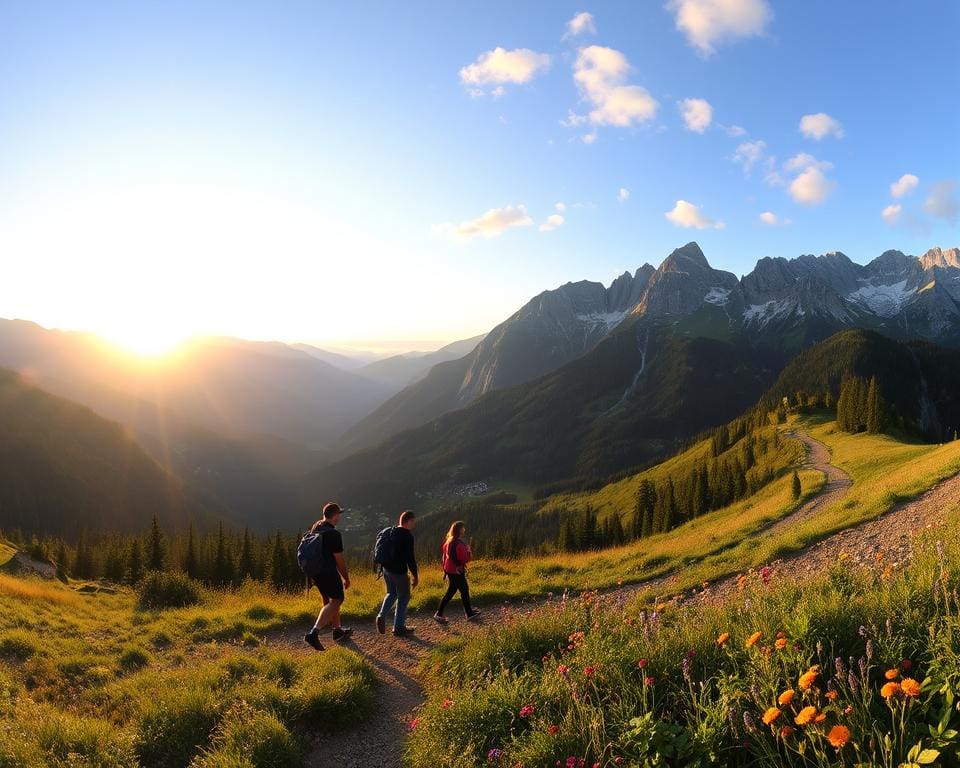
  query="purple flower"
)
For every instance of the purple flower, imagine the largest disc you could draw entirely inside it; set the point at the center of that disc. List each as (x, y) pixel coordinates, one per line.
(494, 754)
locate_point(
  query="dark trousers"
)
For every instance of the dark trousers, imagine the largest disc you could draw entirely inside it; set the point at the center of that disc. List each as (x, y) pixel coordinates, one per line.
(457, 582)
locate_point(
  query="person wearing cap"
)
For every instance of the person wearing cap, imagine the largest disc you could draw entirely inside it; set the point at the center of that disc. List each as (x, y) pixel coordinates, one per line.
(332, 584)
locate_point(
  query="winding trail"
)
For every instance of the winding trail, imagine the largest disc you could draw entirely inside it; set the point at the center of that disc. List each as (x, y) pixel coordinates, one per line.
(886, 540)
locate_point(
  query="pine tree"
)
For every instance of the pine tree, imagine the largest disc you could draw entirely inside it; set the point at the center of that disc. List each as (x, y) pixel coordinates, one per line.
(156, 556)
(795, 485)
(135, 562)
(874, 415)
(246, 569)
(190, 562)
(222, 565)
(645, 505)
(278, 563)
(617, 536)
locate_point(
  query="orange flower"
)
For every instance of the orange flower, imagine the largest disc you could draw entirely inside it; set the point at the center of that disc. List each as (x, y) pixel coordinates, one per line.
(831, 695)
(786, 697)
(910, 687)
(820, 718)
(892, 674)
(723, 638)
(805, 715)
(890, 690)
(752, 640)
(808, 678)
(838, 736)
(787, 731)
(781, 643)
(770, 715)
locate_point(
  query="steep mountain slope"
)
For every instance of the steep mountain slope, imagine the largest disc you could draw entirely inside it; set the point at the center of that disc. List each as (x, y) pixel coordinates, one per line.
(65, 470)
(781, 307)
(921, 381)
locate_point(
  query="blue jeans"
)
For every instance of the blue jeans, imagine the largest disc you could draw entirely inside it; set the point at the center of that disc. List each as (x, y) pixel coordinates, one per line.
(398, 590)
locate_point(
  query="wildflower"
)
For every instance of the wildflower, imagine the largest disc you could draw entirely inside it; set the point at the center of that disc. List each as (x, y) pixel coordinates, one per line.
(831, 695)
(853, 683)
(869, 647)
(748, 722)
(770, 715)
(414, 723)
(765, 574)
(643, 663)
(553, 730)
(494, 754)
(820, 718)
(563, 670)
(527, 710)
(786, 697)
(447, 703)
(910, 687)
(649, 680)
(691, 653)
(787, 731)
(805, 715)
(781, 643)
(848, 709)
(752, 640)
(838, 663)
(906, 665)
(892, 674)
(808, 678)
(838, 736)
(588, 671)
(890, 690)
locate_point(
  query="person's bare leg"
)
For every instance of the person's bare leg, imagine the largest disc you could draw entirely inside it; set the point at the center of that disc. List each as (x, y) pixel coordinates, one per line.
(329, 615)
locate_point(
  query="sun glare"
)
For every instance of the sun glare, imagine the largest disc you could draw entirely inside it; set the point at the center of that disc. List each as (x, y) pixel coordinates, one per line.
(144, 341)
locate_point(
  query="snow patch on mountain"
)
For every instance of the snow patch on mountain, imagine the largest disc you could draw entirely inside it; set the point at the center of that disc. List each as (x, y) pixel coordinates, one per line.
(717, 296)
(764, 313)
(608, 319)
(883, 300)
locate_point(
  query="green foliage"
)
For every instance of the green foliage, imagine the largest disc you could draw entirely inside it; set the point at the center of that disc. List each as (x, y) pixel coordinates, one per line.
(133, 657)
(18, 644)
(160, 590)
(250, 738)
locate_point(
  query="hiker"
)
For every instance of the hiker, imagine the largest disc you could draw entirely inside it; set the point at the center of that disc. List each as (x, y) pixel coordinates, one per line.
(456, 555)
(320, 555)
(394, 553)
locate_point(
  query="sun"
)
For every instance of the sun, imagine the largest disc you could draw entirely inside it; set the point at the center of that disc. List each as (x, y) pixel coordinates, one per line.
(145, 340)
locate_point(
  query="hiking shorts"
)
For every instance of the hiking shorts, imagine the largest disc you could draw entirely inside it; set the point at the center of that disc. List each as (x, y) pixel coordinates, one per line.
(330, 585)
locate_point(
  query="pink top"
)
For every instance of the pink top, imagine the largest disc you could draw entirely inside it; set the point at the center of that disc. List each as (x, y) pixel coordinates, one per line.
(463, 556)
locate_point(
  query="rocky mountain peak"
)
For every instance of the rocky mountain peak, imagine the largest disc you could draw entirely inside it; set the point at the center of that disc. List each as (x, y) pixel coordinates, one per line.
(686, 259)
(939, 257)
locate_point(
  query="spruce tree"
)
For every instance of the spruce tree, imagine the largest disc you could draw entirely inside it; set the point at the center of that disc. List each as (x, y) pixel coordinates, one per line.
(80, 559)
(191, 563)
(135, 562)
(156, 556)
(246, 569)
(278, 564)
(222, 565)
(796, 488)
(874, 416)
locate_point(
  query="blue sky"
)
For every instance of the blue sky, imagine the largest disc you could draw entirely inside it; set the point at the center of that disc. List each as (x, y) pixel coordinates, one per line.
(321, 171)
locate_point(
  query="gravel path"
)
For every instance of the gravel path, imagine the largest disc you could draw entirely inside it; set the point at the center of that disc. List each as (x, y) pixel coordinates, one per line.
(884, 541)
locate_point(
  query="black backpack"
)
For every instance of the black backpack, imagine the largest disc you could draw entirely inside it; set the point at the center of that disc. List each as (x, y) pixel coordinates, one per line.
(385, 548)
(311, 557)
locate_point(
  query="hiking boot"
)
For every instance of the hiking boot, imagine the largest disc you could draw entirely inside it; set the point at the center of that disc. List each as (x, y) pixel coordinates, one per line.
(325, 631)
(381, 625)
(403, 631)
(473, 614)
(313, 641)
(440, 619)
(341, 632)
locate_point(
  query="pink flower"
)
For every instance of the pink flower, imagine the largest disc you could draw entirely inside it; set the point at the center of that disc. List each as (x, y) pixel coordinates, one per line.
(527, 710)
(648, 680)
(447, 703)
(643, 663)
(588, 671)
(563, 670)
(553, 730)
(414, 723)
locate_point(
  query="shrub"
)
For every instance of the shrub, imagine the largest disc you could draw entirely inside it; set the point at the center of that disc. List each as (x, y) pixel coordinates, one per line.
(247, 737)
(133, 657)
(160, 590)
(19, 644)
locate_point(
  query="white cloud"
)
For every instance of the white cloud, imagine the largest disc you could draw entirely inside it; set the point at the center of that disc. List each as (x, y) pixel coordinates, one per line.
(600, 73)
(749, 153)
(891, 214)
(688, 215)
(623, 194)
(573, 119)
(734, 131)
(560, 207)
(811, 185)
(553, 221)
(498, 67)
(820, 126)
(697, 114)
(493, 223)
(579, 24)
(904, 185)
(942, 201)
(769, 218)
(707, 23)
(589, 138)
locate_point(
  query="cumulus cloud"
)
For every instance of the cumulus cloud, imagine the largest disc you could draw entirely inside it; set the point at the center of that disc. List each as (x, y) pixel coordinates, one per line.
(493, 223)
(600, 73)
(770, 219)
(820, 126)
(697, 114)
(623, 194)
(734, 131)
(589, 138)
(749, 153)
(891, 214)
(688, 215)
(904, 185)
(494, 69)
(708, 23)
(553, 221)
(810, 185)
(942, 201)
(581, 23)
(560, 207)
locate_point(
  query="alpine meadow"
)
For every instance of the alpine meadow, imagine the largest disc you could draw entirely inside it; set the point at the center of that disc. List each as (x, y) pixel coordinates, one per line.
(490, 385)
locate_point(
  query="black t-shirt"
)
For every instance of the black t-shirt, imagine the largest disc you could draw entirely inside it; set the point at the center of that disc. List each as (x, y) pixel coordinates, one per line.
(404, 557)
(332, 540)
